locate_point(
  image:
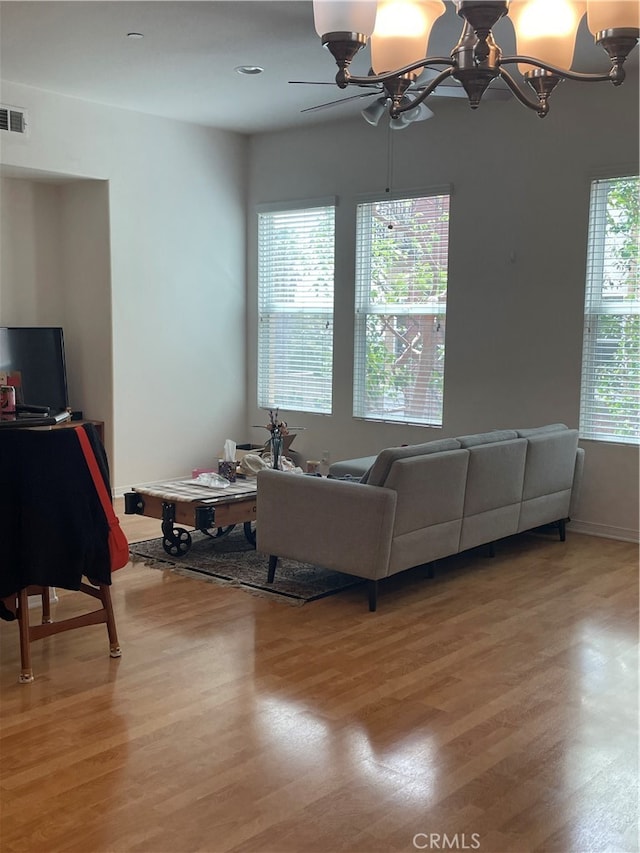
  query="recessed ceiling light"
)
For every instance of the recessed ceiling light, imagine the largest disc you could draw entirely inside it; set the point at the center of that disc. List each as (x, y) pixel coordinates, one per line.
(135, 36)
(249, 69)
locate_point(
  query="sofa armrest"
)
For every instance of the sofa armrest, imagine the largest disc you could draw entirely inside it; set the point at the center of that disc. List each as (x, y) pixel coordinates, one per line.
(335, 524)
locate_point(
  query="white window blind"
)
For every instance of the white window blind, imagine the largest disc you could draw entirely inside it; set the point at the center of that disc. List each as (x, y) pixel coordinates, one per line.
(401, 303)
(295, 304)
(610, 394)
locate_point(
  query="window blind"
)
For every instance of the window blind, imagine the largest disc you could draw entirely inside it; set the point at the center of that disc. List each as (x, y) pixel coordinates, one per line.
(401, 303)
(295, 309)
(610, 392)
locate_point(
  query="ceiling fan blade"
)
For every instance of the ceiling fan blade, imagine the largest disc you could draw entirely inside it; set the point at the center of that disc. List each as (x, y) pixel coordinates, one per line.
(375, 86)
(496, 90)
(339, 101)
(454, 90)
(422, 113)
(449, 91)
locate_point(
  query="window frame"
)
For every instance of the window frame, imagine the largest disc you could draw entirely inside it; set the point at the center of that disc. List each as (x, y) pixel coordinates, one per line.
(597, 308)
(363, 308)
(271, 306)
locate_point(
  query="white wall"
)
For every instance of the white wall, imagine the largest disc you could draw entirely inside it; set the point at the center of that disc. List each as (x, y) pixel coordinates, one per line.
(174, 319)
(29, 253)
(85, 279)
(519, 212)
(56, 271)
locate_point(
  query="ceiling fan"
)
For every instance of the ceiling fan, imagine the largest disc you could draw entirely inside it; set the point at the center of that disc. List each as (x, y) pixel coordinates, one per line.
(373, 113)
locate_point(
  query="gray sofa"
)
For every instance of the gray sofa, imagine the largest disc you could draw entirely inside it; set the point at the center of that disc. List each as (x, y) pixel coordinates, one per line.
(412, 505)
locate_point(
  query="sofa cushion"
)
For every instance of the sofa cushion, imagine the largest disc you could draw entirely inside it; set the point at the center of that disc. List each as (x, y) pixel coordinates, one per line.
(525, 433)
(351, 467)
(494, 492)
(379, 471)
(551, 463)
(487, 437)
(495, 476)
(430, 488)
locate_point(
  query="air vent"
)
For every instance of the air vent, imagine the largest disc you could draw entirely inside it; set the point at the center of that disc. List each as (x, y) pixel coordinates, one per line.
(13, 119)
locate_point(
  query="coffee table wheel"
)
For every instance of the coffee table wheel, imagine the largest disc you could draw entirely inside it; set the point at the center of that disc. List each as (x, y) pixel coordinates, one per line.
(176, 542)
(223, 531)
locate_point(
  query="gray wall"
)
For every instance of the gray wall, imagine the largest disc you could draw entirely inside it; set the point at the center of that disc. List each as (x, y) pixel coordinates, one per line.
(519, 213)
(156, 228)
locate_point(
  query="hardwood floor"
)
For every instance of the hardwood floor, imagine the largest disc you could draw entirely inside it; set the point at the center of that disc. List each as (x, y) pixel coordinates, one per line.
(496, 703)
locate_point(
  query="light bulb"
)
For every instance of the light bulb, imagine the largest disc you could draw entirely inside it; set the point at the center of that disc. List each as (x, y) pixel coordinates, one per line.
(402, 31)
(546, 30)
(357, 16)
(612, 14)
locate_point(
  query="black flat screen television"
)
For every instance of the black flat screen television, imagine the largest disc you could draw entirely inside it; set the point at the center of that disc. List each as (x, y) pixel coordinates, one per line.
(36, 354)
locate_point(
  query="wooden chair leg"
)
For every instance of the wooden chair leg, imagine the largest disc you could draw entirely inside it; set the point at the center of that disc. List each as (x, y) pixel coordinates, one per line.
(26, 673)
(46, 604)
(114, 647)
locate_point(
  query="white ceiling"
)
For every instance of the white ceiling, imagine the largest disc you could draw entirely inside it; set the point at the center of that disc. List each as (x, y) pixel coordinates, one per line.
(183, 68)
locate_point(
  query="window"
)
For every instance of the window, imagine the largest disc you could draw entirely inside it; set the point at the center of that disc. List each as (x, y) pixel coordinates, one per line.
(401, 303)
(295, 306)
(610, 397)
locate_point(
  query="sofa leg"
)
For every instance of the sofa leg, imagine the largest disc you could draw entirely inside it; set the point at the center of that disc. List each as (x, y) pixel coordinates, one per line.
(373, 595)
(562, 529)
(491, 549)
(431, 569)
(273, 562)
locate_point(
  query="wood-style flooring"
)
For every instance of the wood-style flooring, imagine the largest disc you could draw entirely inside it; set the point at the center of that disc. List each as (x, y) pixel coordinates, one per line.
(494, 707)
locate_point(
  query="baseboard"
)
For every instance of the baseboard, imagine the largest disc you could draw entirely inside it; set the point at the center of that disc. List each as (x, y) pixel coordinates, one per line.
(606, 531)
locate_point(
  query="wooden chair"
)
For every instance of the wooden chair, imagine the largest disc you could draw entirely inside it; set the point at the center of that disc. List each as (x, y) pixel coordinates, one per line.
(29, 633)
(51, 500)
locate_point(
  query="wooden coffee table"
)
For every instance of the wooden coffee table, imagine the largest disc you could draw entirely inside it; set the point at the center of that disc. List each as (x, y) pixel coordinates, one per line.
(200, 507)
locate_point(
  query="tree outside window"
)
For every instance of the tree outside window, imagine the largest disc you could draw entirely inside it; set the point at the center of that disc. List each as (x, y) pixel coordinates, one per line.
(295, 308)
(610, 395)
(401, 298)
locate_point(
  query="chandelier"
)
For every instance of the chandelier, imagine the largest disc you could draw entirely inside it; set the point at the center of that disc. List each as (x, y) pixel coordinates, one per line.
(545, 32)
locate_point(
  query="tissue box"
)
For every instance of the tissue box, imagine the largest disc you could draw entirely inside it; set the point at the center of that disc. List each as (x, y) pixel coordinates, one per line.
(227, 469)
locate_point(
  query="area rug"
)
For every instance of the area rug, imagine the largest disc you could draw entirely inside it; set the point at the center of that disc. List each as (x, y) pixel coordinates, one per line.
(233, 561)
